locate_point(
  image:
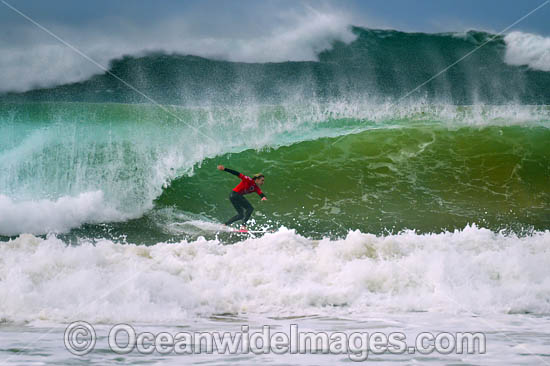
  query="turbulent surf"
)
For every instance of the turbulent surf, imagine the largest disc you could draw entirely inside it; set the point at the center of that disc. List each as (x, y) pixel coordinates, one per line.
(360, 165)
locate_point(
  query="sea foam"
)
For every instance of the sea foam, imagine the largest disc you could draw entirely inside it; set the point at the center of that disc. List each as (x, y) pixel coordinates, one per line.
(53, 216)
(469, 271)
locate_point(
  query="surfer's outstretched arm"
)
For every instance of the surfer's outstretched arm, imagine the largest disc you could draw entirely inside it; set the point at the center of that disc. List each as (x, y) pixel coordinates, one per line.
(234, 172)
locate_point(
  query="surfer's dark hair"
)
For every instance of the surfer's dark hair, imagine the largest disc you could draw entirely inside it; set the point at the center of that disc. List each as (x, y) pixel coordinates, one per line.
(258, 176)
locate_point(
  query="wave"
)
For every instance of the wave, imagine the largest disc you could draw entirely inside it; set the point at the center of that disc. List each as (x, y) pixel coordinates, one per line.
(121, 161)
(467, 271)
(377, 65)
(298, 35)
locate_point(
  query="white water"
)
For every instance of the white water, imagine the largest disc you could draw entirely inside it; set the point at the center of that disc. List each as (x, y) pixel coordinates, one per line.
(473, 271)
(53, 216)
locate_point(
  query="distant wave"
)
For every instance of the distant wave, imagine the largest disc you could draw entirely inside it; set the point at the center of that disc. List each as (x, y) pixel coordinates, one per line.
(300, 37)
(373, 65)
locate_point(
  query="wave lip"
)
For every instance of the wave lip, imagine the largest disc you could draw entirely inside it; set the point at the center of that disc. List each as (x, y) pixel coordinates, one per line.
(467, 271)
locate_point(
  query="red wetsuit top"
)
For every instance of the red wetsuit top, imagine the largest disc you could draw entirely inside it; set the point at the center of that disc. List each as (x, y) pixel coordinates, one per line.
(247, 184)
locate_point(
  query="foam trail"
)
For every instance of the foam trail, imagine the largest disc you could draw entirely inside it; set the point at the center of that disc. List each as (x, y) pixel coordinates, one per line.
(470, 270)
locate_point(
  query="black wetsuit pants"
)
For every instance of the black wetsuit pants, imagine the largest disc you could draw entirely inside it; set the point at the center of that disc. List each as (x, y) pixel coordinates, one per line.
(243, 207)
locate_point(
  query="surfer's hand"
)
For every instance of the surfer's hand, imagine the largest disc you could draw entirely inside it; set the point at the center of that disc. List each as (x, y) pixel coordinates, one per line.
(221, 167)
(264, 199)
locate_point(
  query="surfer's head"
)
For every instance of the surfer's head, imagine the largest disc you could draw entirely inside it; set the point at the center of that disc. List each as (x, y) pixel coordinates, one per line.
(258, 179)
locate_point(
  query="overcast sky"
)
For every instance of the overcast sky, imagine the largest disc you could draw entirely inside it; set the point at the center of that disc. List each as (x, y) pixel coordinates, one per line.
(242, 15)
(240, 30)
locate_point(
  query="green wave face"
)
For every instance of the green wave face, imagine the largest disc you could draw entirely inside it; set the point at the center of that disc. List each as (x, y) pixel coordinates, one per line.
(138, 170)
(424, 177)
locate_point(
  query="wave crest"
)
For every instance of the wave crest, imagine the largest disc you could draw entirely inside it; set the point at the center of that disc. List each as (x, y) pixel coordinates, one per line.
(528, 49)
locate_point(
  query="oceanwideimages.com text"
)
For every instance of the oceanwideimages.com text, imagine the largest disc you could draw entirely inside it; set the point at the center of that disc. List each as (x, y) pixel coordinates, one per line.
(80, 339)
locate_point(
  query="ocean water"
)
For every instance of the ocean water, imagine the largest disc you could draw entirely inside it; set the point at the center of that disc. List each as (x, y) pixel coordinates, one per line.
(429, 213)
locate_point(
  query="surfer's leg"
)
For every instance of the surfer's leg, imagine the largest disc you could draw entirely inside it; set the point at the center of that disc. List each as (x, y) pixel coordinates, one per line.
(248, 207)
(234, 218)
(236, 202)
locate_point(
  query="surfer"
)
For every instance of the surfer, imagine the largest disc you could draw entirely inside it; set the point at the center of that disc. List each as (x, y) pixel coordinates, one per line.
(246, 186)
